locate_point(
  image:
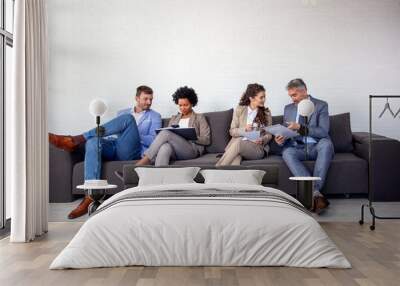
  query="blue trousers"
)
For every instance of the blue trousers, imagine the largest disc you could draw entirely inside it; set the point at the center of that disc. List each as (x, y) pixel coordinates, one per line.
(322, 152)
(126, 146)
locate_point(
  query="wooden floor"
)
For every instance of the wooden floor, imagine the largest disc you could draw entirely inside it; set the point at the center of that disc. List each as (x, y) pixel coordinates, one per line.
(375, 257)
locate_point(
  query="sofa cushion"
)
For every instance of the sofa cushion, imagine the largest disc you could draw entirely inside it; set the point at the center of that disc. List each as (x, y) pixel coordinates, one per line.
(165, 122)
(206, 160)
(340, 133)
(220, 123)
(278, 119)
(270, 160)
(344, 165)
(348, 174)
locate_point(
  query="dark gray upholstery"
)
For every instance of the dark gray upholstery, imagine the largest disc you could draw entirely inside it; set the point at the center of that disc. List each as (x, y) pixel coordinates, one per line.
(348, 173)
(205, 160)
(108, 171)
(342, 166)
(221, 123)
(340, 133)
(61, 165)
(277, 119)
(385, 168)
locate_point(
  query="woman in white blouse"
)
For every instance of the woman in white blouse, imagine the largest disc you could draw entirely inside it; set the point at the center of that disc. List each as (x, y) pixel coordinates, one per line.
(249, 139)
(168, 145)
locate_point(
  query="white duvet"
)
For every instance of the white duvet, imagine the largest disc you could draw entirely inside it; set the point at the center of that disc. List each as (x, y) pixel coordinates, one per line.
(190, 231)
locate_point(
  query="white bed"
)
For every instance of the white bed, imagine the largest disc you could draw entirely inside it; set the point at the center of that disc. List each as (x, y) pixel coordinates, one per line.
(265, 229)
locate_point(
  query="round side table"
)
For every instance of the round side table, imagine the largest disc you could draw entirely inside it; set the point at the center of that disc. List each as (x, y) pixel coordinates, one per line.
(96, 193)
(305, 188)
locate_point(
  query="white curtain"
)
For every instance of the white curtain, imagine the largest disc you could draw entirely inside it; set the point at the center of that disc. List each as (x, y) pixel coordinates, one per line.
(29, 151)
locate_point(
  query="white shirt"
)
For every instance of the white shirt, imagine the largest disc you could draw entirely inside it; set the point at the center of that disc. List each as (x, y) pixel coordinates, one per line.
(184, 122)
(137, 115)
(251, 115)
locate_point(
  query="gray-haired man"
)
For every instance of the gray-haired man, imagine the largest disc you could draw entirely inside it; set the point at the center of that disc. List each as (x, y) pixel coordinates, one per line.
(319, 143)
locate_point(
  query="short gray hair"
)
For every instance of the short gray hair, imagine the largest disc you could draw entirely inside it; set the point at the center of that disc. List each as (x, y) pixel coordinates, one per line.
(296, 83)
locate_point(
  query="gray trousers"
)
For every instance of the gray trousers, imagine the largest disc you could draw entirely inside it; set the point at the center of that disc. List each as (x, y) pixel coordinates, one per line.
(241, 149)
(167, 146)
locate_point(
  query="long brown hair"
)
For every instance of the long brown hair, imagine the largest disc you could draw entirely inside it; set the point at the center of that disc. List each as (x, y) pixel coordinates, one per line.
(251, 92)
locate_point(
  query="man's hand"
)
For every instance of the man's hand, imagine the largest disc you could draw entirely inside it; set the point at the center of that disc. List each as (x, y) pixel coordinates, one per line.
(293, 126)
(249, 127)
(279, 139)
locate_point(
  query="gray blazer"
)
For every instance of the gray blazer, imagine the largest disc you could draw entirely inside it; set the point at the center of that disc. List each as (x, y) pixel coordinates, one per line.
(200, 124)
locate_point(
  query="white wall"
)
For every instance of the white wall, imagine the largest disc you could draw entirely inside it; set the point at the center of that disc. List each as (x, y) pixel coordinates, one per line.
(344, 50)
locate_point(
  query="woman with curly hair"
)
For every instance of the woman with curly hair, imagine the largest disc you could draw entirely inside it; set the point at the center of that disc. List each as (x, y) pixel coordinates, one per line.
(250, 115)
(168, 145)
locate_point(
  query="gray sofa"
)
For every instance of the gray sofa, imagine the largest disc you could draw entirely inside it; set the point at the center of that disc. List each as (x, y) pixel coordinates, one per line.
(348, 174)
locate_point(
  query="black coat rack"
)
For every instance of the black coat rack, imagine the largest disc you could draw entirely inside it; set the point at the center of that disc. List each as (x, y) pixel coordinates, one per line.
(370, 191)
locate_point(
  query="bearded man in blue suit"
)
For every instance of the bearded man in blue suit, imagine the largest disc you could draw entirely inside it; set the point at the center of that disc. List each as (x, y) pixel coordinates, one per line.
(125, 138)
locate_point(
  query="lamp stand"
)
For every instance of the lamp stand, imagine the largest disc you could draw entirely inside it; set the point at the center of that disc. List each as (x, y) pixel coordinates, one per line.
(99, 133)
(97, 194)
(305, 138)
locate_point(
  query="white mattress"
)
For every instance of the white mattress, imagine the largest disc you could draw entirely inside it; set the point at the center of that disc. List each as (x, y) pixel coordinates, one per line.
(203, 231)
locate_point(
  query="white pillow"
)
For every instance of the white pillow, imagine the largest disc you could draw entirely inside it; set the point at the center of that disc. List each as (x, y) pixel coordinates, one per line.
(166, 176)
(248, 177)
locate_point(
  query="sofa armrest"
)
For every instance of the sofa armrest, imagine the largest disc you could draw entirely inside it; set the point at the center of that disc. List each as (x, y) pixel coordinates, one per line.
(361, 143)
(385, 163)
(61, 164)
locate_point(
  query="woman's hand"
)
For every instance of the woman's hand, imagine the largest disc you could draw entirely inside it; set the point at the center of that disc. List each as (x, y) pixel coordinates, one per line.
(258, 141)
(249, 127)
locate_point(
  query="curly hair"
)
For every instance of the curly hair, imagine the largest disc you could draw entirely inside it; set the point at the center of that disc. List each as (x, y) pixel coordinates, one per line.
(185, 92)
(252, 90)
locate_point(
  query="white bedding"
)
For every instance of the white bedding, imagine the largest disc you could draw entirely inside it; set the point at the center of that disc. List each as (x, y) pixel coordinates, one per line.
(185, 231)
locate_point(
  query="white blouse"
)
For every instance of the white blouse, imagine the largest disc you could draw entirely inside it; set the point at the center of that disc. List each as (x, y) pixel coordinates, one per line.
(251, 115)
(184, 122)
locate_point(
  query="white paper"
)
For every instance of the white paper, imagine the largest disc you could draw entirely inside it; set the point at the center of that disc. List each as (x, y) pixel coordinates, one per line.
(279, 129)
(251, 135)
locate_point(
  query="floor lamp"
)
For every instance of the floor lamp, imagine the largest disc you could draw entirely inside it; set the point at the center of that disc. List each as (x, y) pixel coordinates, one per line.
(97, 108)
(305, 185)
(306, 109)
(96, 188)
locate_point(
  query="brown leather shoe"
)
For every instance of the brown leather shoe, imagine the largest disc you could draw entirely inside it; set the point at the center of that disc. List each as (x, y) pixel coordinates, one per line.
(320, 204)
(66, 143)
(81, 209)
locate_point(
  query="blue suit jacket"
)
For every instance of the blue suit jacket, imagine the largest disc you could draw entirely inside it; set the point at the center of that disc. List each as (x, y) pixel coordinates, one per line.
(147, 125)
(318, 123)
